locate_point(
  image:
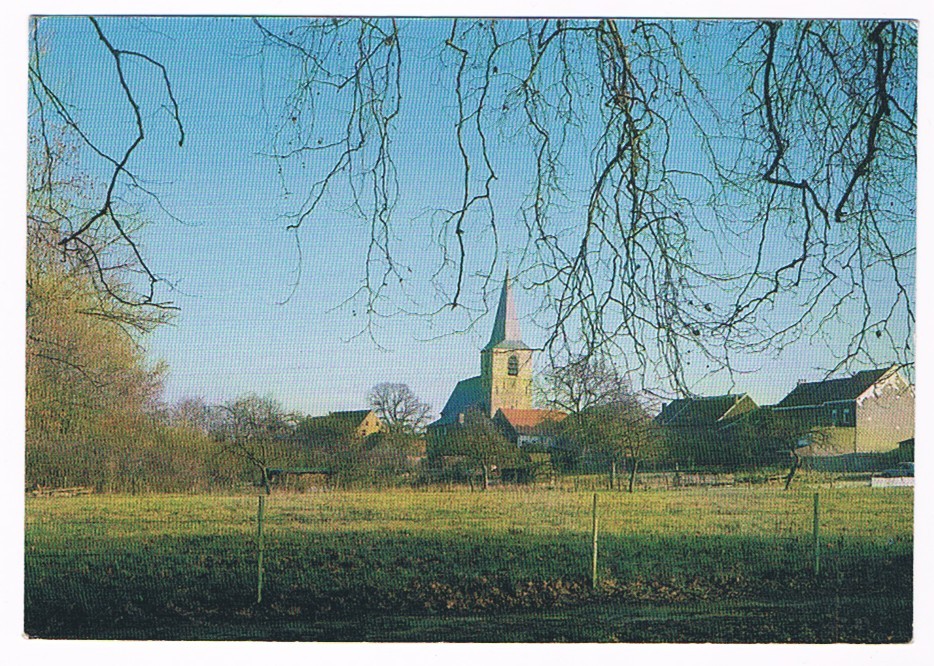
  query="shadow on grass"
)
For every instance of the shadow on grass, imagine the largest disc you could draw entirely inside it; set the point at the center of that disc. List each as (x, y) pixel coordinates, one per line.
(376, 587)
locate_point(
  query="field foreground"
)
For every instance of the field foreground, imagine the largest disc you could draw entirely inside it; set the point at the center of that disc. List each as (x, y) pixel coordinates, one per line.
(727, 565)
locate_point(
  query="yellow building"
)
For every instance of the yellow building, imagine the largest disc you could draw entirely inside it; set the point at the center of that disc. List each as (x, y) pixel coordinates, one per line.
(357, 424)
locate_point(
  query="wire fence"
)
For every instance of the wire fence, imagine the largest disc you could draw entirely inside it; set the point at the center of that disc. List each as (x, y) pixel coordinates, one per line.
(729, 527)
(94, 562)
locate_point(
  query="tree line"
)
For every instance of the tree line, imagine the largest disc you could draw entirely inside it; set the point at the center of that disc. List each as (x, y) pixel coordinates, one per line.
(192, 445)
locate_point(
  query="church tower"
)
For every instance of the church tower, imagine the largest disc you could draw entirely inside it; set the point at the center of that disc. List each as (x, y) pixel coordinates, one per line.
(506, 361)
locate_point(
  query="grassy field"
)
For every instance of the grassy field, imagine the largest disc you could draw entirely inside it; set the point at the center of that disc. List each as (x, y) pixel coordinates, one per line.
(729, 564)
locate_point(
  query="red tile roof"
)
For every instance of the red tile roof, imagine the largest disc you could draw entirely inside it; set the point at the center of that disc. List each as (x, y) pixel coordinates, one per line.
(526, 420)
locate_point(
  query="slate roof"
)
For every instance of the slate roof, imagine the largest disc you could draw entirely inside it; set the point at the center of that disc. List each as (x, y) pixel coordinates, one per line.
(347, 421)
(814, 394)
(506, 333)
(350, 418)
(468, 393)
(698, 412)
(525, 421)
(354, 414)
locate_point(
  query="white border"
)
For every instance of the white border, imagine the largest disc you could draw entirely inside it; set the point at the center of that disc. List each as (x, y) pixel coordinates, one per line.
(13, 37)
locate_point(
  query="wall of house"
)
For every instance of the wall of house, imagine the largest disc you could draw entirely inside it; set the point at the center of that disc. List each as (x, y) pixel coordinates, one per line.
(829, 441)
(885, 415)
(370, 425)
(742, 406)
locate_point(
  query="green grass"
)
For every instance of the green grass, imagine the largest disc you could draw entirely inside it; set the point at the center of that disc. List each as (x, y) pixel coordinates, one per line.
(185, 566)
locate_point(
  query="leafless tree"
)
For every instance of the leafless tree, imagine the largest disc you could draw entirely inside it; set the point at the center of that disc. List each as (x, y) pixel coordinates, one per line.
(95, 228)
(751, 183)
(623, 431)
(399, 408)
(251, 429)
(831, 119)
(479, 440)
(195, 413)
(605, 418)
(796, 199)
(581, 384)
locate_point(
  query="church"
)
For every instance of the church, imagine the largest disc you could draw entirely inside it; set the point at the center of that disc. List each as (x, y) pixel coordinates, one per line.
(503, 389)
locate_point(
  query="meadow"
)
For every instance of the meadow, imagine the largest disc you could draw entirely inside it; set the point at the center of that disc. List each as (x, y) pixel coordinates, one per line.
(510, 564)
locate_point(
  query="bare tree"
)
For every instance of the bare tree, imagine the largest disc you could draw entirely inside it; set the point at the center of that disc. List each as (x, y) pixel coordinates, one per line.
(605, 418)
(582, 383)
(95, 230)
(252, 429)
(623, 431)
(479, 440)
(795, 197)
(399, 408)
(749, 183)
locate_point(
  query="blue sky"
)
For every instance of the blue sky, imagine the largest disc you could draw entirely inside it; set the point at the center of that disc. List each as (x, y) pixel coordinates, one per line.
(233, 263)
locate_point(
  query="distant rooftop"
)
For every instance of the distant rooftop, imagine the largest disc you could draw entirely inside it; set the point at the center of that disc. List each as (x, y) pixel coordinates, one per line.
(690, 412)
(525, 421)
(812, 394)
(468, 393)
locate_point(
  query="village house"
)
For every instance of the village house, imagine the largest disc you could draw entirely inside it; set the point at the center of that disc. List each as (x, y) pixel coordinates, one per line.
(529, 427)
(712, 412)
(362, 422)
(698, 428)
(869, 412)
(356, 424)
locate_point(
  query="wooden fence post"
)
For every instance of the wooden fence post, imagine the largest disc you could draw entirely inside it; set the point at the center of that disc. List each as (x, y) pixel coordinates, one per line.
(259, 538)
(593, 546)
(816, 534)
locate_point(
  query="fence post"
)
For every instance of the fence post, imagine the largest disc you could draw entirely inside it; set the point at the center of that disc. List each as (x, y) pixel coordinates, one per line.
(593, 546)
(816, 534)
(261, 510)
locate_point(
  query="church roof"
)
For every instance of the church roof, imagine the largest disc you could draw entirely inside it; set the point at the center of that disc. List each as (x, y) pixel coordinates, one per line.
(468, 393)
(506, 333)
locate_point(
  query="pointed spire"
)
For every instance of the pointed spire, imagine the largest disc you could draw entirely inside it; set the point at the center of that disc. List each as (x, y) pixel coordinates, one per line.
(506, 325)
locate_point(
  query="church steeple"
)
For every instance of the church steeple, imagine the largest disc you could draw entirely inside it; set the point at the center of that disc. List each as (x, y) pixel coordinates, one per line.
(506, 331)
(506, 361)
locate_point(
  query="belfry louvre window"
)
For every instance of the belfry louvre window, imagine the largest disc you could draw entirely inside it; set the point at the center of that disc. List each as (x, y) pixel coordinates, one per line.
(513, 366)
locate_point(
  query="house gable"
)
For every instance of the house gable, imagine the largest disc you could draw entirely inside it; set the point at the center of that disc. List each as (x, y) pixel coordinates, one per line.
(709, 412)
(871, 411)
(361, 422)
(527, 426)
(816, 394)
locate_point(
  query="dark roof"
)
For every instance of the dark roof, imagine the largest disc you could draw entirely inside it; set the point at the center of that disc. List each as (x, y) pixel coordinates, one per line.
(468, 393)
(358, 414)
(506, 333)
(693, 412)
(350, 420)
(814, 394)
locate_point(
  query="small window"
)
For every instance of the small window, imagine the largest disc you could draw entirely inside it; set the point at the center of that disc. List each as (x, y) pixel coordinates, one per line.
(513, 366)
